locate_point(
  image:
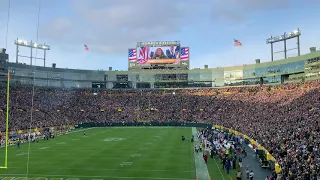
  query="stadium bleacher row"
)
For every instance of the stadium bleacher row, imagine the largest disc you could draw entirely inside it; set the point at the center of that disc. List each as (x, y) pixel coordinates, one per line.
(282, 118)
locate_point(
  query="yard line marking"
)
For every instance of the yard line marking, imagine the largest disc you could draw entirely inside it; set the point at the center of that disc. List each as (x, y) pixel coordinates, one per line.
(135, 155)
(114, 177)
(35, 163)
(21, 154)
(41, 178)
(43, 148)
(79, 130)
(219, 169)
(122, 164)
(94, 134)
(8, 178)
(126, 164)
(59, 143)
(114, 139)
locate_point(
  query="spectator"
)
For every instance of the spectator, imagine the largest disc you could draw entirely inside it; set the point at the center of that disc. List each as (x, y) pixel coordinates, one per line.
(282, 118)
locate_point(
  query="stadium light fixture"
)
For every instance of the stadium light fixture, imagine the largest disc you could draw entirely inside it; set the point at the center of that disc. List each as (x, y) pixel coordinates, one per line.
(286, 36)
(31, 45)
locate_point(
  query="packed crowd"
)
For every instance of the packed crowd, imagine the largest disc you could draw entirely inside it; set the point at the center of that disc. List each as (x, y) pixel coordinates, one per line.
(283, 118)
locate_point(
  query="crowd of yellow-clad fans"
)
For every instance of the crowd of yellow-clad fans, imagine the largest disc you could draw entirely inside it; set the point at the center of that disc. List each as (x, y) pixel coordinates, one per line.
(282, 118)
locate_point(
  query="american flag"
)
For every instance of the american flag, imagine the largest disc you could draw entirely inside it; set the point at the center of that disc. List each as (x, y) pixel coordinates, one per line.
(237, 43)
(132, 54)
(184, 54)
(86, 48)
(143, 55)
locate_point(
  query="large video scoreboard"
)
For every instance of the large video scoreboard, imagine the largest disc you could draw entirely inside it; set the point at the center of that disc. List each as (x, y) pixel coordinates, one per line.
(158, 54)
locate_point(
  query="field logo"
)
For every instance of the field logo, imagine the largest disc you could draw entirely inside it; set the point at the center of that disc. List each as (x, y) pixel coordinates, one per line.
(126, 164)
(113, 139)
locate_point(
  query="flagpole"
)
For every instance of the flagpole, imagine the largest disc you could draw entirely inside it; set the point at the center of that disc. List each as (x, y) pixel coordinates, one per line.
(234, 56)
(236, 43)
(234, 51)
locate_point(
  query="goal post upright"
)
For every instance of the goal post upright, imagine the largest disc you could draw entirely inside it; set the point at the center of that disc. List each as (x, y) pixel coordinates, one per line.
(7, 125)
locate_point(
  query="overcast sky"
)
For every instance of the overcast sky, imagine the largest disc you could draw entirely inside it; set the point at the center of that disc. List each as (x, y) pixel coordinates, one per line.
(109, 28)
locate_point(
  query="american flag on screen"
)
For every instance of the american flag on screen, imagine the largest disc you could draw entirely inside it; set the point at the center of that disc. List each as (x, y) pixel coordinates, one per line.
(143, 55)
(132, 54)
(184, 54)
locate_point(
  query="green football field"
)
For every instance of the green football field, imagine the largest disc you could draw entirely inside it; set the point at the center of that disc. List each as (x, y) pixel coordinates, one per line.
(110, 154)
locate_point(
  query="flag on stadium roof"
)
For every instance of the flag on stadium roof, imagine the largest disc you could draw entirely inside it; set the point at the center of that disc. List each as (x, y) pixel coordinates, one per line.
(237, 43)
(132, 54)
(86, 48)
(143, 55)
(184, 54)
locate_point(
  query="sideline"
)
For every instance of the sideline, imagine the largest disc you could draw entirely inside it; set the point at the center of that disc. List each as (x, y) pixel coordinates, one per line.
(201, 168)
(77, 131)
(57, 176)
(57, 135)
(220, 170)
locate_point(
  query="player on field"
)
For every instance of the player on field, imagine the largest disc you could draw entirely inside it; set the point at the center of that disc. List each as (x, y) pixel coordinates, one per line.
(196, 148)
(18, 143)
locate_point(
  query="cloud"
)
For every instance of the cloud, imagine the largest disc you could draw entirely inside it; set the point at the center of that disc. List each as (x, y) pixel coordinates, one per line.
(59, 26)
(238, 11)
(114, 26)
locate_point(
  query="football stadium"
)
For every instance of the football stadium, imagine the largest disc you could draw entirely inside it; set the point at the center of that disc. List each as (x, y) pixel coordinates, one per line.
(160, 119)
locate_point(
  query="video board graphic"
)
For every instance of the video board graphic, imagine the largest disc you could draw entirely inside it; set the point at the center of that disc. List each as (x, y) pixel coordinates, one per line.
(147, 55)
(132, 54)
(158, 52)
(184, 54)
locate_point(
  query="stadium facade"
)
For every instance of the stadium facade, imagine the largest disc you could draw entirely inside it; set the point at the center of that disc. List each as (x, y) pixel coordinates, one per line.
(298, 68)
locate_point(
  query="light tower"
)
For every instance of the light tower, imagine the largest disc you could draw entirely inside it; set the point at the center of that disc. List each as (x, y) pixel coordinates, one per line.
(31, 45)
